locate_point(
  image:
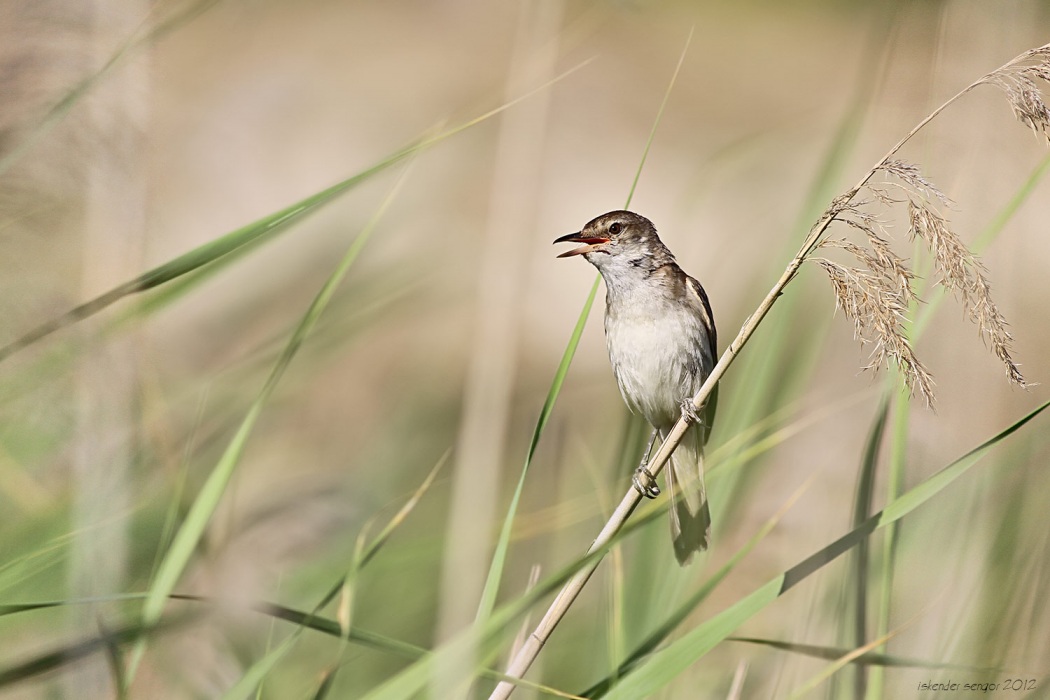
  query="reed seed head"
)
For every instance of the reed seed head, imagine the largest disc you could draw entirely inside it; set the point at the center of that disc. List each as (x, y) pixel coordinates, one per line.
(878, 312)
(877, 292)
(1017, 80)
(964, 274)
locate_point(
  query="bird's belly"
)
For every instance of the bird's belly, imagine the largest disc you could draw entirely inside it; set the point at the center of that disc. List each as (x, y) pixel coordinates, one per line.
(655, 360)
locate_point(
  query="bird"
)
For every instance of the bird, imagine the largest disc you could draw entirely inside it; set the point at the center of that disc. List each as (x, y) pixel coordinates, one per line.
(661, 337)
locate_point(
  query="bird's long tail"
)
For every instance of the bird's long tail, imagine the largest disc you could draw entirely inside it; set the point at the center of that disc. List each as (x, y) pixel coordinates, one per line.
(690, 513)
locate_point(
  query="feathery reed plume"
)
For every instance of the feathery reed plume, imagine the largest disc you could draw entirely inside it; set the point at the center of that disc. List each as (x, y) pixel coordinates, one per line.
(876, 300)
(876, 296)
(911, 176)
(1017, 81)
(963, 273)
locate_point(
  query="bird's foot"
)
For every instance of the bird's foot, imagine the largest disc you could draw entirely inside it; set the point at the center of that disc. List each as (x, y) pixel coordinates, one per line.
(645, 482)
(689, 411)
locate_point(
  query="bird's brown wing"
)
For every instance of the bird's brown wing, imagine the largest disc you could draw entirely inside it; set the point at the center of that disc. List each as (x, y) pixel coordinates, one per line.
(704, 306)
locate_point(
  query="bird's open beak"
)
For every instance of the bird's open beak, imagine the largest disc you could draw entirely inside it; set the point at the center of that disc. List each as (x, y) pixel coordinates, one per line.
(591, 242)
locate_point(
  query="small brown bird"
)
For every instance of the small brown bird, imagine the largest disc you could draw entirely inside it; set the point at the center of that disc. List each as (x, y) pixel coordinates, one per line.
(661, 339)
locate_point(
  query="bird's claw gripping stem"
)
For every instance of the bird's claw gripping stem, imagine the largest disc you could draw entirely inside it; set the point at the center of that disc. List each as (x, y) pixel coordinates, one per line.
(689, 411)
(645, 482)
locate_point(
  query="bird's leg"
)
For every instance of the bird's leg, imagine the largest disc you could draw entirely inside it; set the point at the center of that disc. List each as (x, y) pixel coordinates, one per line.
(642, 479)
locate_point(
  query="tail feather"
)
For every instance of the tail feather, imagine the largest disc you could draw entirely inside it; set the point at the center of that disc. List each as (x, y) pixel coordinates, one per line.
(690, 513)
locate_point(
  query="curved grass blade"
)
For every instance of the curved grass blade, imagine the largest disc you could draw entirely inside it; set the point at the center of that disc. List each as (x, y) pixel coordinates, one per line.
(18, 608)
(189, 534)
(203, 255)
(60, 109)
(371, 639)
(262, 228)
(327, 681)
(659, 116)
(71, 653)
(367, 553)
(666, 664)
(840, 663)
(865, 659)
(258, 671)
(499, 557)
(862, 503)
(661, 633)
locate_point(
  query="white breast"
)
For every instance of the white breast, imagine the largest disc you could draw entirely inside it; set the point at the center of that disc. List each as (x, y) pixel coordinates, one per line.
(653, 352)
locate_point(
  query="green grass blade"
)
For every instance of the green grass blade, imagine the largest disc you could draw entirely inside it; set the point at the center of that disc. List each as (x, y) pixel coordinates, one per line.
(18, 608)
(62, 107)
(366, 554)
(71, 653)
(263, 228)
(862, 511)
(258, 671)
(888, 554)
(836, 666)
(866, 659)
(167, 294)
(327, 681)
(205, 254)
(332, 628)
(488, 595)
(659, 116)
(664, 630)
(665, 665)
(204, 505)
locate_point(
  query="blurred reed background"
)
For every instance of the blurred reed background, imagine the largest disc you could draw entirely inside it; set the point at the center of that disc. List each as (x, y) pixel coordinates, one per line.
(132, 132)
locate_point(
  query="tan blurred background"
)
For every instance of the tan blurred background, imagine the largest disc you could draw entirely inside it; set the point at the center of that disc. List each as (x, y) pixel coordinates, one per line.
(452, 322)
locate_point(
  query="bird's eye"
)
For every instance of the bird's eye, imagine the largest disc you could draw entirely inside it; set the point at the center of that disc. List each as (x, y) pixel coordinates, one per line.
(615, 228)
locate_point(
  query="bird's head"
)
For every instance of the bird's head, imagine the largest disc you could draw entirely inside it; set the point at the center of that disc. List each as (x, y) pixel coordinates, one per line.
(618, 234)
